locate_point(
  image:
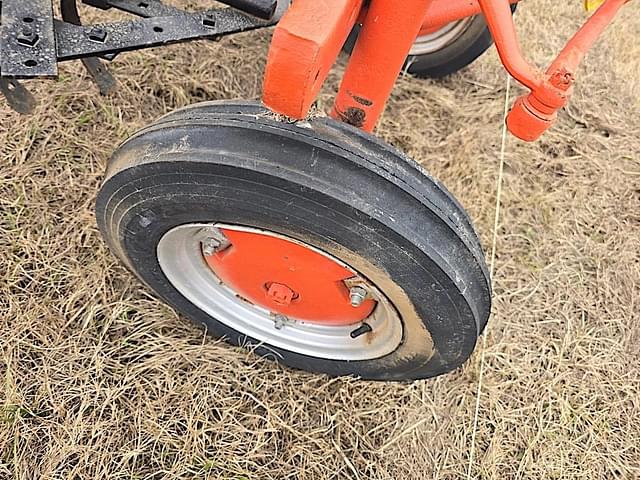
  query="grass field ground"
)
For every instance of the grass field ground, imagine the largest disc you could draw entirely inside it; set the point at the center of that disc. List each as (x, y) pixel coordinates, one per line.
(100, 380)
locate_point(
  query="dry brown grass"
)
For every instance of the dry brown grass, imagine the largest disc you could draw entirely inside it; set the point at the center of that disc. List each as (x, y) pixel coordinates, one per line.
(100, 380)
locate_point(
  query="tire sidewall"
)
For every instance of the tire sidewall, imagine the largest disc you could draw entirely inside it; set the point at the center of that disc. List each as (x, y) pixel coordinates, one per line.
(139, 204)
(466, 48)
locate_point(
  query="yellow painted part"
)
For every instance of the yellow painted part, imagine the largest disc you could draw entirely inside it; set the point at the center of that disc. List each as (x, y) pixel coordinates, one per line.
(591, 5)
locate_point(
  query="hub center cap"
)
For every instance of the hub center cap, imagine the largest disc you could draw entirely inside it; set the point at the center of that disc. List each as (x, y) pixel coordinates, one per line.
(280, 294)
(287, 278)
(182, 260)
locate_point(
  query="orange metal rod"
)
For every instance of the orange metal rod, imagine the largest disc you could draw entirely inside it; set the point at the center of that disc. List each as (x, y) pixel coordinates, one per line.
(571, 56)
(440, 12)
(387, 34)
(310, 35)
(500, 21)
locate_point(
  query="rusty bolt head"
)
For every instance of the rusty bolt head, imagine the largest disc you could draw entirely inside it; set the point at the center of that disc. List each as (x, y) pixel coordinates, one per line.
(97, 34)
(562, 79)
(214, 241)
(209, 20)
(280, 321)
(211, 246)
(28, 38)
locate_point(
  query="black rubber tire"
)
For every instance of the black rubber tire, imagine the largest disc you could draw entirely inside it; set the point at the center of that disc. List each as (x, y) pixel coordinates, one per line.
(326, 183)
(463, 51)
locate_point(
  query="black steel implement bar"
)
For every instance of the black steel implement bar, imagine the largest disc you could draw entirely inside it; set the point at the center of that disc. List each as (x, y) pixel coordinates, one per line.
(32, 42)
(146, 8)
(27, 40)
(74, 41)
(263, 9)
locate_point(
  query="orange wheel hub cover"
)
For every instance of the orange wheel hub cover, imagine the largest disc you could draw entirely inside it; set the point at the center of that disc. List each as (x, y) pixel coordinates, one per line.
(288, 278)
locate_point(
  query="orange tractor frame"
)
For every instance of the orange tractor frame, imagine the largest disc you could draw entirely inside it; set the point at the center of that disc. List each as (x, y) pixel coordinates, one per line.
(309, 37)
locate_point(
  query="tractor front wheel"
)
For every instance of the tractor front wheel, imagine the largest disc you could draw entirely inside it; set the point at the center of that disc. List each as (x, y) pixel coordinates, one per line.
(312, 243)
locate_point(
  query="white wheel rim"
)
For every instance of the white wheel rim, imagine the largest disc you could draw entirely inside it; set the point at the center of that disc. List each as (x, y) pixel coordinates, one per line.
(182, 262)
(439, 39)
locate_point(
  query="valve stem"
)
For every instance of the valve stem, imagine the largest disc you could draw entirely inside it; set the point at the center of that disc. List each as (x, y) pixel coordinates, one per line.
(361, 330)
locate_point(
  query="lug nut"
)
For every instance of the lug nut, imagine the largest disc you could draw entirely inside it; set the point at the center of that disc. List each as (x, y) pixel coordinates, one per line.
(279, 321)
(357, 296)
(214, 241)
(210, 246)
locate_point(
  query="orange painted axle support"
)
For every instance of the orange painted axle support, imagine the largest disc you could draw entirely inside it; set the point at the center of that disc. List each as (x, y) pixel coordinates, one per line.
(311, 34)
(387, 34)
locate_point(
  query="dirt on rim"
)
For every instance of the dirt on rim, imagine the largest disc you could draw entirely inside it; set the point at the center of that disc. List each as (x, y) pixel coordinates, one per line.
(100, 380)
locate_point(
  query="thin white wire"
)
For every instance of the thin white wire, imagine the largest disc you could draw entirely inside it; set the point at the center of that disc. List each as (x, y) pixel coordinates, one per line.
(496, 222)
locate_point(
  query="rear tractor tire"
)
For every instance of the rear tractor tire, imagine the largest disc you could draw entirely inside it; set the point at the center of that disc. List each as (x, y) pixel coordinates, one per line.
(314, 243)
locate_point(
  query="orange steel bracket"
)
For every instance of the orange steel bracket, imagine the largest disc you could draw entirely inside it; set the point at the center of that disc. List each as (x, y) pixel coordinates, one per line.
(304, 47)
(311, 34)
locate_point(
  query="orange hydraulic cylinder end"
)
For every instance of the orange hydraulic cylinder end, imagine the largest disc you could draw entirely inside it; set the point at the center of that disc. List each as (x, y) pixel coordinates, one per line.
(526, 123)
(387, 34)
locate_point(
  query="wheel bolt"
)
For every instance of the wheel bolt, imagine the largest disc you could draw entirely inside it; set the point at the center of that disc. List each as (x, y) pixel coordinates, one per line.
(214, 242)
(279, 321)
(210, 246)
(357, 296)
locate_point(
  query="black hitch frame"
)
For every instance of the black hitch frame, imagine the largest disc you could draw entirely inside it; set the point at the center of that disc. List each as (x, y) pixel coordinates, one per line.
(32, 41)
